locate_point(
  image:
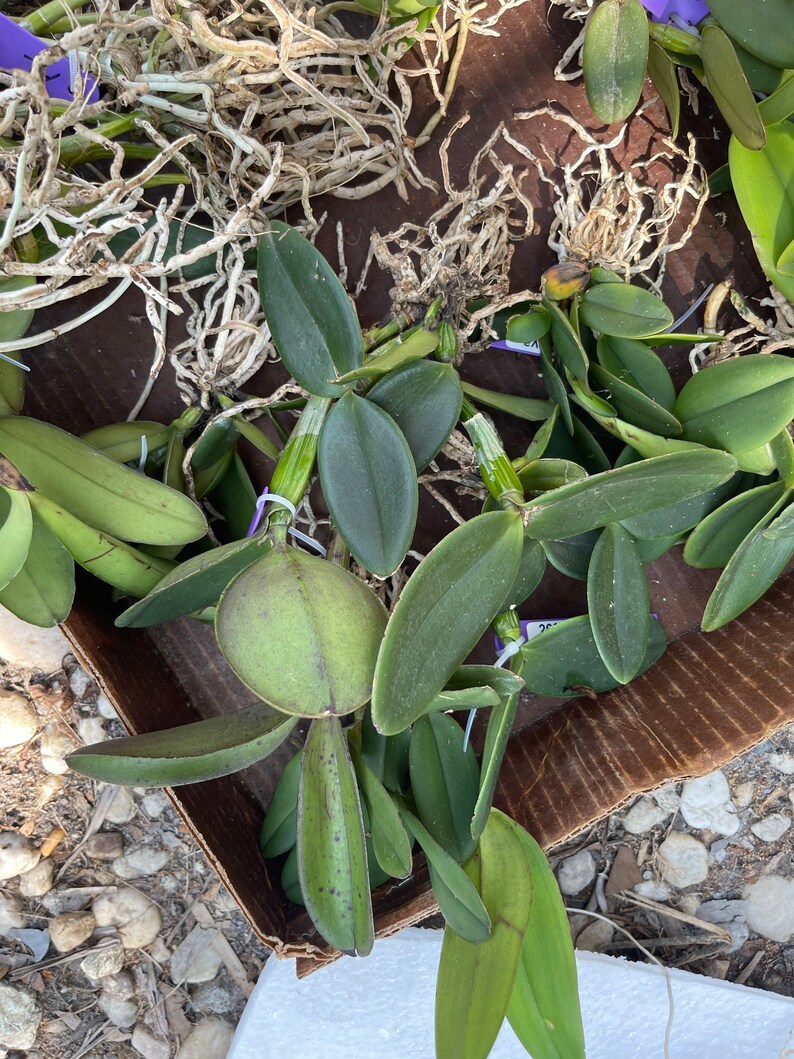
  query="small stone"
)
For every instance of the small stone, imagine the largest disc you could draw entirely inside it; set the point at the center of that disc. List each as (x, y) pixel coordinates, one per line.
(80, 682)
(770, 908)
(202, 968)
(104, 960)
(91, 730)
(149, 1046)
(743, 794)
(105, 708)
(668, 798)
(17, 855)
(37, 941)
(576, 872)
(38, 881)
(54, 746)
(683, 861)
(656, 891)
(122, 808)
(159, 951)
(642, 816)
(155, 803)
(30, 647)
(19, 722)
(106, 845)
(209, 1039)
(59, 901)
(688, 903)
(71, 929)
(20, 1015)
(706, 804)
(732, 915)
(119, 985)
(772, 827)
(138, 920)
(120, 1012)
(11, 917)
(782, 762)
(144, 861)
(595, 937)
(213, 999)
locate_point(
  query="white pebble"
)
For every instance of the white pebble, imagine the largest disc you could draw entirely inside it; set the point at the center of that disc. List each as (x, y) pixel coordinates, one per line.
(138, 920)
(17, 855)
(643, 816)
(30, 647)
(105, 708)
(144, 861)
(20, 1015)
(91, 730)
(576, 872)
(195, 959)
(595, 937)
(149, 1046)
(782, 762)
(770, 908)
(772, 827)
(122, 808)
(79, 682)
(155, 803)
(119, 985)
(209, 1039)
(11, 917)
(120, 1012)
(54, 746)
(104, 960)
(38, 881)
(743, 794)
(729, 914)
(70, 930)
(706, 804)
(683, 860)
(668, 798)
(19, 722)
(656, 891)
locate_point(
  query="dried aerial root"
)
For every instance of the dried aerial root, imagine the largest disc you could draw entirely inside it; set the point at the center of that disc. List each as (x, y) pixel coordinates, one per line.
(756, 336)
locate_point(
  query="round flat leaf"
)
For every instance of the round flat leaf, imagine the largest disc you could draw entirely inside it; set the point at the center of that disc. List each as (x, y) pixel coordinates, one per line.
(526, 328)
(626, 492)
(728, 85)
(332, 858)
(368, 478)
(447, 605)
(190, 753)
(279, 831)
(302, 633)
(623, 311)
(615, 57)
(633, 362)
(739, 404)
(764, 29)
(310, 316)
(618, 603)
(42, 592)
(424, 400)
(16, 532)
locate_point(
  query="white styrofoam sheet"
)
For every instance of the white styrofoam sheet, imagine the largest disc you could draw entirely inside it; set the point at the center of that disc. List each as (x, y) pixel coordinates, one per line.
(382, 1008)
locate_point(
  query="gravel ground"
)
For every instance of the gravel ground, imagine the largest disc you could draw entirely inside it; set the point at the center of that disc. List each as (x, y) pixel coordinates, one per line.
(117, 939)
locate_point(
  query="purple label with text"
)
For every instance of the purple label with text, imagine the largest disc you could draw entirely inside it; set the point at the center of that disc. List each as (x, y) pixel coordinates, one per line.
(530, 629)
(18, 49)
(532, 348)
(687, 11)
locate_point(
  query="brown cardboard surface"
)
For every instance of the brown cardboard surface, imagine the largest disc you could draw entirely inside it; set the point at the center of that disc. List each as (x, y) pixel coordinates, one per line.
(568, 763)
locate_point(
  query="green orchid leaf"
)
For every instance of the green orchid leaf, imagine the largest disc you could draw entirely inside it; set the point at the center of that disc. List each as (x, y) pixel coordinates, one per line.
(190, 753)
(390, 842)
(571, 556)
(652, 548)
(714, 540)
(445, 781)
(739, 404)
(406, 348)
(539, 443)
(122, 441)
(619, 603)
(765, 30)
(475, 981)
(578, 447)
(779, 105)
(765, 193)
(662, 72)
(442, 612)
(526, 328)
(290, 883)
(591, 402)
(42, 592)
(368, 477)
(500, 725)
(615, 57)
(424, 400)
(539, 476)
(464, 699)
(310, 316)
(761, 77)
(302, 633)
(624, 311)
(564, 660)
(680, 338)
(544, 1008)
(387, 757)
(728, 85)
(457, 897)
(279, 831)
(530, 573)
(634, 363)
(529, 408)
(502, 681)
(235, 496)
(16, 533)
(196, 583)
(332, 857)
(633, 406)
(626, 492)
(782, 527)
(566, 341)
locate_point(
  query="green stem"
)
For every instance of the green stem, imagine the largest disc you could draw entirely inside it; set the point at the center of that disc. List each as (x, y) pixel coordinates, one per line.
(496, 469)
(295, 466)
(251, 433)
(41, 21)
(377, 335)
(675, 40)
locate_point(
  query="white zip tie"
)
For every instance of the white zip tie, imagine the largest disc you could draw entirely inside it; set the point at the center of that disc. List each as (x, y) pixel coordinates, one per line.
(512, 649)
(307, 540)
(144, 453)
(16, 363)
(692, 308)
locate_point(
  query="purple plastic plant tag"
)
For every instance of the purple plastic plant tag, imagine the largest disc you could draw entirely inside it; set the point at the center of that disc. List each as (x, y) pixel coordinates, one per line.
(532, 348)
(687, 11)
(18, 49)
(530, 629)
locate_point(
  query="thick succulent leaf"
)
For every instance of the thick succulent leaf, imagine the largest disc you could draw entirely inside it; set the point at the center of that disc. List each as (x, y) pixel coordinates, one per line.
(368, 477)
(43, 591)
(765, 30)
(445, 780)
(406, 348)
(780, 104)
(652, 548)
(579, 447)
(526, 328)
(539, 443)
(544, 1005)
(633, 362)
(424, 400)
(302, 633)
(539, 476)
(475, 981)
(279, 831)
(714, 540)
(290, 883)
(16, 532)
(310, 316)
(332, 858)
(196, 583)
(623, 311)
(615, 57)
(626, 492)
(500, 725)
(530, 573)
(501, 680)
(782, 526)
(618, 603)
(473, 698)
(122, 441)
(190, 753)
(571, 556)
(565, 658)
(662, 71)
(235, 496)
(632, 404)
(442, 612)
(386, 756)
(529, 408)
(390, 842)
(555, 386)
(566, 341)
(726, 81)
